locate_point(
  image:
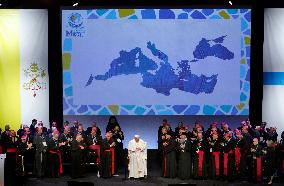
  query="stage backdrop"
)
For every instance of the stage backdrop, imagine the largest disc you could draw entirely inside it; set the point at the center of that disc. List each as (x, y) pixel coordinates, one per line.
(273, 67)
(145, 65)
(24, 92)
(156, 61)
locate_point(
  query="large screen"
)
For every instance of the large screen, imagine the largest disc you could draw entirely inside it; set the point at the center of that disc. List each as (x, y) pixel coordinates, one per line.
(156, 61)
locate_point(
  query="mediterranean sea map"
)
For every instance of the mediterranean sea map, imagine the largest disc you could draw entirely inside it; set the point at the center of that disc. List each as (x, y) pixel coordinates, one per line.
(163, 77)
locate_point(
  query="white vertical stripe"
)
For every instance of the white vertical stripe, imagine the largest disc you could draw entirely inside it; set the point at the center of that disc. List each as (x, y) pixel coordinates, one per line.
(273, 61)
(34, 48)
(273, 106)
(273, 55)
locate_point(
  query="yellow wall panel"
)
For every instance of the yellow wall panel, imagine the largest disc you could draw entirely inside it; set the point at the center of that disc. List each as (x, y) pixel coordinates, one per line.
(9, 69)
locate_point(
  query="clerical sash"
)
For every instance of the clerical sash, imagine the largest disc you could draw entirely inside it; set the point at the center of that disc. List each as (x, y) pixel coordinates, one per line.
(282, 162)
(60, 159)
(283, 166)
(258, 169)
(11, 150)
(111, 150)
(216, 156)
(237, 159)
(226, 162)
(200, 162)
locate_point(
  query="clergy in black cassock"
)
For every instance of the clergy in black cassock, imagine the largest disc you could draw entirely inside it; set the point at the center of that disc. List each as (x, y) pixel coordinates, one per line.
(199, 148)
(229, 157)
(11, 143)
(23, 148)
(184, 159)
(169, 157)
(241, 153)
(256, 164)
(54, 156)
(40, 143)
(118, 137)
(215, 156)
(65, 139)
(76, 150)
(107, 156)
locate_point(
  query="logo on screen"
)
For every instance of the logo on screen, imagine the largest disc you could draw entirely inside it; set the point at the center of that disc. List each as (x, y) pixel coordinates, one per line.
(75, 20)
(75, 24)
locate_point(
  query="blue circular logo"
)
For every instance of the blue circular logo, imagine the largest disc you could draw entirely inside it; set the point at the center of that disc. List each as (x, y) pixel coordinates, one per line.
(75, 20)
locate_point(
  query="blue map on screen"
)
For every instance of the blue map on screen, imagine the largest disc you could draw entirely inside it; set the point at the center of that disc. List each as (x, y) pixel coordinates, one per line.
(164, 78)
(156, 61)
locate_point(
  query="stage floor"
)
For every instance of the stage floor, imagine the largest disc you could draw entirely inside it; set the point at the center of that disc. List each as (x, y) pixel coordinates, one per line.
(154, 178)
(150, 181)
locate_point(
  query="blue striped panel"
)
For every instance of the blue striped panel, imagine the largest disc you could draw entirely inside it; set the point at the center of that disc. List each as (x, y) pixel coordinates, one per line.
(273, 78)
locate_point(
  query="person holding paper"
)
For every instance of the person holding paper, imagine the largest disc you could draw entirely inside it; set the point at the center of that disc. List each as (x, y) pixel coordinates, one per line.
(137, 154)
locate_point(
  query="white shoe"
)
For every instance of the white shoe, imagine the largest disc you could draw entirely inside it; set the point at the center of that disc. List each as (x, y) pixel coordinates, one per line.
(115, 175)
(98, 175)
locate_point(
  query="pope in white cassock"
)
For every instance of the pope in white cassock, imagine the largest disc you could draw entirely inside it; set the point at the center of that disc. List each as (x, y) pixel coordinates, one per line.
(137, 153)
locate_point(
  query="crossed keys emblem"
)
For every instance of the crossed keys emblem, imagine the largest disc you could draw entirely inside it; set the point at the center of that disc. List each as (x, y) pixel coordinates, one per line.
(36, 78)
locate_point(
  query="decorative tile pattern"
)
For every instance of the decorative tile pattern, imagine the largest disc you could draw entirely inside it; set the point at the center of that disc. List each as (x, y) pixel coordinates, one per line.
(241, 109)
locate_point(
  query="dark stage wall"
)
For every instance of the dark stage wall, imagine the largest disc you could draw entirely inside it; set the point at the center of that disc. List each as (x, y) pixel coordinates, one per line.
(55, 56)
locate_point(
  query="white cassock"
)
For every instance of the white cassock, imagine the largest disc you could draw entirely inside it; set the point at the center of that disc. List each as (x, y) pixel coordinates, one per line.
(137, 159)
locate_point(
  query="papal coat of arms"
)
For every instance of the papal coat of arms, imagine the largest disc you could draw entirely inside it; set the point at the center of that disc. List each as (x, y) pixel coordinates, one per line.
(35, 78)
